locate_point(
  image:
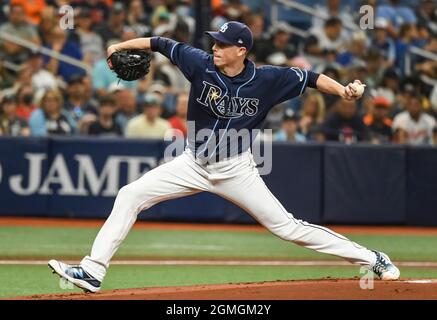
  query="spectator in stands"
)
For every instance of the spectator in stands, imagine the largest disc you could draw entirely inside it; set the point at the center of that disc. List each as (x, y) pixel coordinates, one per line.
(6, 76)
(179, 120)
(10, 123)
(378, 123)
(41, 79)
(105, 126)
(424, 36)
(426, 66)
(355, 50)
(167, 71)
(389, 85)
(374, 62)
(126, 107)
(149, 124)
(332, 9)
(313, 114)
(427, 14)
(407, 90)
(255, 22)
(90, 42)
(407, 34)
(414, 126)
(17, 26)
(396, 15)
(277, 50)
(275, 117)
(58, 42)
(51, 118)
(25, 105)
(328, 38)
(383, 42)
(343, 125)
(289, 129)
(228, 10)
(172, 76)
(183, 28)
(137, 19)
(77, 105)
(99, 9)
(47, 24)
(112, 30)
(90, 94)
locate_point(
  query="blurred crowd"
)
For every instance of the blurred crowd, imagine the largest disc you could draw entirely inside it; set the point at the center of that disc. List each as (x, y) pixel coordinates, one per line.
(42, 96)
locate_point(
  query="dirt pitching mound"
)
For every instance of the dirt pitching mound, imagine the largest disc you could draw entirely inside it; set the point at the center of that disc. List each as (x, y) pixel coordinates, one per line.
(284, 290)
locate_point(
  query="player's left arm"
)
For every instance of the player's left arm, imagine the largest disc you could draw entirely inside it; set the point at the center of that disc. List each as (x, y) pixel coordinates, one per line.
(328, 85)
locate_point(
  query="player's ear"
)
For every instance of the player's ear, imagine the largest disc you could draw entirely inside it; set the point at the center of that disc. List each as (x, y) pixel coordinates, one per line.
(242, 51)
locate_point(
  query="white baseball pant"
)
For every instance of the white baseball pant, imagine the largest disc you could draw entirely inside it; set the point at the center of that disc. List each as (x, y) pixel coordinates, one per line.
(235, 179)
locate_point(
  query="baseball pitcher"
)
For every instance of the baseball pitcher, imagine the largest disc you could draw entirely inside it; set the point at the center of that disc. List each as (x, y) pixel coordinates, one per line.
(227, 92)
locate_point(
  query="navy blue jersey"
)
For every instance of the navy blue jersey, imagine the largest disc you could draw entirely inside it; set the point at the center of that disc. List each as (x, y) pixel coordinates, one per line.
(225, 104)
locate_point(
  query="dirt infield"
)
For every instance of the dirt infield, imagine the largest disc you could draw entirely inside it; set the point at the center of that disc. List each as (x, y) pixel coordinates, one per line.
(93, 223)
(281, 290)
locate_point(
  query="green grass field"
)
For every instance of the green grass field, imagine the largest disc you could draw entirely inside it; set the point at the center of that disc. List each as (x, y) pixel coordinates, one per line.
(73, 243)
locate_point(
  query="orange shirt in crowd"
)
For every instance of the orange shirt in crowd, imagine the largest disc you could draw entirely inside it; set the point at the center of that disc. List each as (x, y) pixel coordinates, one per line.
(368, 120)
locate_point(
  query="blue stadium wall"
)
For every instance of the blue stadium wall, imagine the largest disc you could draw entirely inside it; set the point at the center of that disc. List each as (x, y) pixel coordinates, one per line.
(331, 183)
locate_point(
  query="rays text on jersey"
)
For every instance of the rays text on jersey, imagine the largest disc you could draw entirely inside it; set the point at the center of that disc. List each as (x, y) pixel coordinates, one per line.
(225, 106)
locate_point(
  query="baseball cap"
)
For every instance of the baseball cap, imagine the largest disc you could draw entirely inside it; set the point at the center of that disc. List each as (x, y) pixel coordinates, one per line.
(157, 87)
(75, 78)
(150, 99)
(381, 23)
(280, 26)
(289, 114)
(117, 8)
(381, 101)
(234, 33)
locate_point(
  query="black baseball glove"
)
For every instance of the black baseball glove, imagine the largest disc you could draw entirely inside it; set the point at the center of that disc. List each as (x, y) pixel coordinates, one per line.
(131, 64)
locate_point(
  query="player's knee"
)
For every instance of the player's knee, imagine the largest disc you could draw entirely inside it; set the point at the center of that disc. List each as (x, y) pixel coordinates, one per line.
(127, 193)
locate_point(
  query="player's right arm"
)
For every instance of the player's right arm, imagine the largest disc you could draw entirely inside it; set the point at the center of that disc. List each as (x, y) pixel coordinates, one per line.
(188, 59)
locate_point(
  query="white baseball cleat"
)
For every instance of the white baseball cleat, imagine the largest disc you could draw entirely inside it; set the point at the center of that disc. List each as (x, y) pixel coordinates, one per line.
(76, 275)
(384, 268)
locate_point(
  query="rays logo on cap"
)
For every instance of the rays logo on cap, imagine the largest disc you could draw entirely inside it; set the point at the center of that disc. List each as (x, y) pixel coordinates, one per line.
(224, 27)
